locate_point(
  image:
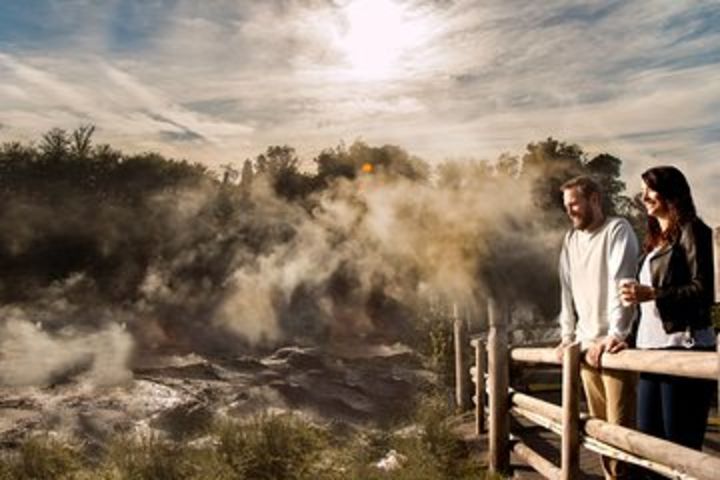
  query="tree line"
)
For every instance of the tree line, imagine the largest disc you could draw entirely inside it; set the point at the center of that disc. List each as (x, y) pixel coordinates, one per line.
(73, 209)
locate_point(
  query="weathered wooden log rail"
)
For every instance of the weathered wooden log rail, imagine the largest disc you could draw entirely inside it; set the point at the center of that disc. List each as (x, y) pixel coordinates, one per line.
(576, 430)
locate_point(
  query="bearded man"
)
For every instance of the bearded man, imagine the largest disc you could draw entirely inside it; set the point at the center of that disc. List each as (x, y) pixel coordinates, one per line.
(598, 251)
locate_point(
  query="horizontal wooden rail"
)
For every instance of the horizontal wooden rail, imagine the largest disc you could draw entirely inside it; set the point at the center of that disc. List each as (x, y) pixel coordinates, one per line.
(600, 447)
(639, 448)
(606, 450)
(538, 419)
(676, 362)
(546, 409)
(536, 461)
(682, 459)
(534, 355)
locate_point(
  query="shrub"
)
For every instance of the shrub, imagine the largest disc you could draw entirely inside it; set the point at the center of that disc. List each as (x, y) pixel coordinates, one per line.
(431, 450)
(437, 344)
(151, 458)
(271, 447)
(267, 447)
(42, 458)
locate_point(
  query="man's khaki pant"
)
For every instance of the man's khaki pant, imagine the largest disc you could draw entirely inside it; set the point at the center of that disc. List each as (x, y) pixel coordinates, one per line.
(611, 396)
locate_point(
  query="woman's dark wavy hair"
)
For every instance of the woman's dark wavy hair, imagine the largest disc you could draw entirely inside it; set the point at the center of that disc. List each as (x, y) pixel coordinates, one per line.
(674, 190)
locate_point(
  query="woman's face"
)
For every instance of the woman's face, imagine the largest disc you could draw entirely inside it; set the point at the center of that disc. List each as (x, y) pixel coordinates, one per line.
(653, 202)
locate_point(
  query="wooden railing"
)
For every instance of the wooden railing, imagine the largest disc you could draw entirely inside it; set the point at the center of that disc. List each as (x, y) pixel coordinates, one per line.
(576, 430)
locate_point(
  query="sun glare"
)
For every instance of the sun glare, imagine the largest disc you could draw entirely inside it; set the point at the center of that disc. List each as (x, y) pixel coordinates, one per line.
(379, 32)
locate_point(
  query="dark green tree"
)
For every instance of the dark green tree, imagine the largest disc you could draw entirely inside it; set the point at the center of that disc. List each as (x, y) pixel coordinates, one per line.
(81, 141)
(335, 163)
(390, 161)
(507, 166)
(551, 163)
(246, 176)
(229, 173)
(276, 161)
(606, 169)
(55, 144)
(280, 165)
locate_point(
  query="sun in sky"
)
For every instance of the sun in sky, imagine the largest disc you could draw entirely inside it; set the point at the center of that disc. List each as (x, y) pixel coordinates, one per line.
(378, 33)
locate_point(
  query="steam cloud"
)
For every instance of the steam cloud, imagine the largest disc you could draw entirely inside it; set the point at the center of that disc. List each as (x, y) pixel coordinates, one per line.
(364, 260)
(31, 356)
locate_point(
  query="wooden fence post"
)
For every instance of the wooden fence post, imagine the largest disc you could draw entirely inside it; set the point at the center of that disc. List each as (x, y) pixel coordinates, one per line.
(717, 345)
(479, 386)
(570, 448)
(716, 255)
(716, 263)
(461, 370)
(498, 383)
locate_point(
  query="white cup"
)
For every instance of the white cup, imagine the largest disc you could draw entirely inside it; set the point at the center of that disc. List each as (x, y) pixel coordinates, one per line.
(624, 282)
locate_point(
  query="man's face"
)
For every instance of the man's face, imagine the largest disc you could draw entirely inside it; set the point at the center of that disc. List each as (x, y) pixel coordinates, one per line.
(579, 208)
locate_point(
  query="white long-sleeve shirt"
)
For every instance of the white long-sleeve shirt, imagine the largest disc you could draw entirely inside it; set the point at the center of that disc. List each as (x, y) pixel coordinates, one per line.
(591, 263)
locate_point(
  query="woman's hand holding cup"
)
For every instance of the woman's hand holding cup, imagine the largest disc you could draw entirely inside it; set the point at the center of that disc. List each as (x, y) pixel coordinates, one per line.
(626, 290)
(631, 292)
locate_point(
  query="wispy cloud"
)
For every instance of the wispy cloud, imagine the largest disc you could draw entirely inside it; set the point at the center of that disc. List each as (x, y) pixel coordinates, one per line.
(218, 83)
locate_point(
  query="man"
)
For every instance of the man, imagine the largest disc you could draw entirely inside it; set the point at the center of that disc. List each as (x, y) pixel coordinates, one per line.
(597, 252)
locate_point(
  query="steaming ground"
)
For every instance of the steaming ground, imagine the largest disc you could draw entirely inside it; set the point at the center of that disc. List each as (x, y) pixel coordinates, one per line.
(240, 280)
(179, 396)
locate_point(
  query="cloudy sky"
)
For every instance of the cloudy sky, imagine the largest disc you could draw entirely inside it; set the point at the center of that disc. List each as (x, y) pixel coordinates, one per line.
(218, 81)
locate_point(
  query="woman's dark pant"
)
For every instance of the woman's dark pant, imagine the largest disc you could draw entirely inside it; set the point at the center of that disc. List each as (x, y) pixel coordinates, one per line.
(674, 408)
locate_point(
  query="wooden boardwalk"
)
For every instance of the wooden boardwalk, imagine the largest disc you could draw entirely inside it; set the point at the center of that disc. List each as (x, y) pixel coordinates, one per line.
(548, 445)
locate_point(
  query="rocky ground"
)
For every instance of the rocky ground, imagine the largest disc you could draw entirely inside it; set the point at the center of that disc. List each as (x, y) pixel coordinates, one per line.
(179, 395)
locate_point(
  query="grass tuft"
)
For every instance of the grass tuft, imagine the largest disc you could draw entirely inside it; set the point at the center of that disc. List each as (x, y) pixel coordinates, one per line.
(270, 447)
(266, 447)
(42, 458)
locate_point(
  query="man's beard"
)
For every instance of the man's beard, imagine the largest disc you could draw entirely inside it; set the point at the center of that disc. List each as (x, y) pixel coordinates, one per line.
(584, 221)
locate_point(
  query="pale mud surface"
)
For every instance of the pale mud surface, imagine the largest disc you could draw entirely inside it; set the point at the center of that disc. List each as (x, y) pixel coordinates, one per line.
(178, 396)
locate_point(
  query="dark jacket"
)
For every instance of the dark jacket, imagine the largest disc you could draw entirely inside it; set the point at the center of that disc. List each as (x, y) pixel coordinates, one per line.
(682, 274)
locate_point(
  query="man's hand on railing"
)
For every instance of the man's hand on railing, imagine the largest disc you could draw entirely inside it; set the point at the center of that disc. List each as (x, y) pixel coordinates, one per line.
(559, 350)
(608, 344)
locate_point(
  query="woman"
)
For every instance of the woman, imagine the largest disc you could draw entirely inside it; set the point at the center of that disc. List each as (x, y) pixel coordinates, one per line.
(675, 294)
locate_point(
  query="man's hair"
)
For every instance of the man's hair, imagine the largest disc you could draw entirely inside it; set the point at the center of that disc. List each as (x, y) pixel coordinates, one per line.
(584, 184)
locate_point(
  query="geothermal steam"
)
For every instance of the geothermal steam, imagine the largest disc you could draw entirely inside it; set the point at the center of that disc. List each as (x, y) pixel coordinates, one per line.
(274, 271)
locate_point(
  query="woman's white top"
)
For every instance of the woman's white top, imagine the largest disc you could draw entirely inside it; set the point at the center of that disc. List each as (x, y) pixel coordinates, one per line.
(651, 333)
